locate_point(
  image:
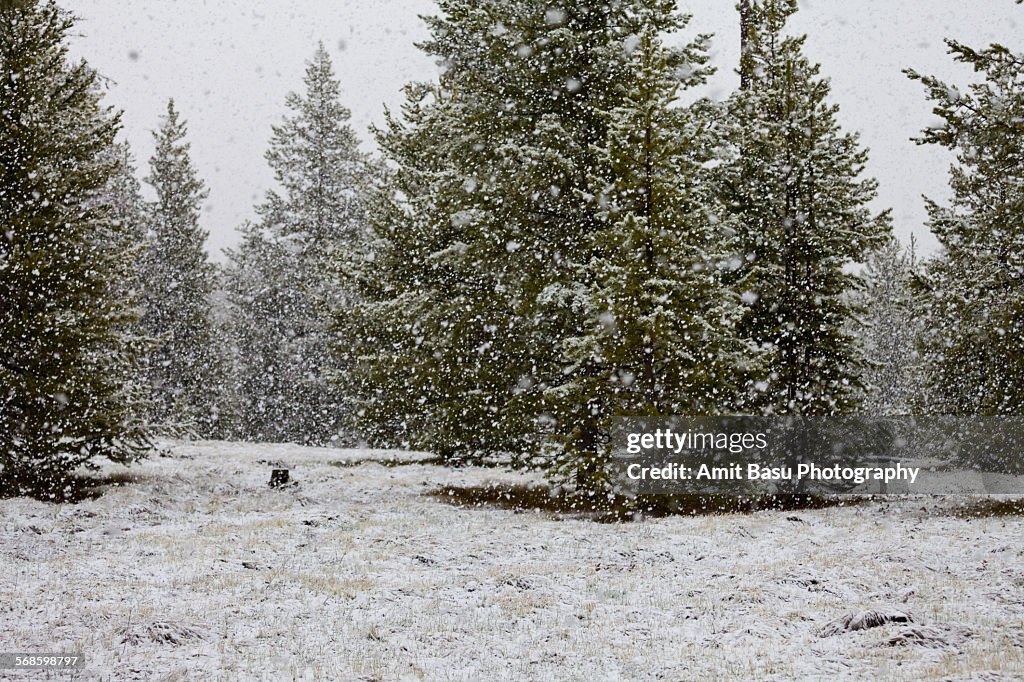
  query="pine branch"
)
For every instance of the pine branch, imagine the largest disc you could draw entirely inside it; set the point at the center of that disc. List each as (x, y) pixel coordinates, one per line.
(7, 364)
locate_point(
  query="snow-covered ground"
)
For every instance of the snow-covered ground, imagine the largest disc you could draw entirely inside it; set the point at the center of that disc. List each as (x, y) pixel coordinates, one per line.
(196, 569)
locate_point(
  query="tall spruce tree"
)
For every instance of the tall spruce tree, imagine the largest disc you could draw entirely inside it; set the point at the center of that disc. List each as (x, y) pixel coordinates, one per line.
(126, 195)
(891, 331)
(67, 355)
(974, 345)
(659, 336)
(474, 284)
(185, 368)
(796, 190)
(283, 284)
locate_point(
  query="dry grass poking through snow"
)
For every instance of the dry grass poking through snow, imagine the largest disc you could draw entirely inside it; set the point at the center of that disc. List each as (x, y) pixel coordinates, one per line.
(197, 570)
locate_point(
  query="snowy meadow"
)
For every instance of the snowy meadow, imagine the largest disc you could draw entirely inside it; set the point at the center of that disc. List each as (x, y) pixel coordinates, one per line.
(190, 567)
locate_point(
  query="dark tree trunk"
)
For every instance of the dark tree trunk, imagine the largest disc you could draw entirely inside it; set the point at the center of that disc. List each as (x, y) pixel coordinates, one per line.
(746, 27)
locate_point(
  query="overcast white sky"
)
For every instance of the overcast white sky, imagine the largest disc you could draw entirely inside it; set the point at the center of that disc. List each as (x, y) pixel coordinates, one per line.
(229, 64)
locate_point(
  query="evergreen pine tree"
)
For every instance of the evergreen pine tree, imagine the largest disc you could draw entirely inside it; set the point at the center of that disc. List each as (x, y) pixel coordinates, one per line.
(659, 336)
(891, 331)
(126, 195)
(974, 345)
(472, 283)
(282, 282)
(256, 294)
(796, 191)
(185, 368)
(67, 355)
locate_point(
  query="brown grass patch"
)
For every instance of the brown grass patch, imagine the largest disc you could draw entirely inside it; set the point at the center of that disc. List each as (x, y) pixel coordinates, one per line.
(618, 508)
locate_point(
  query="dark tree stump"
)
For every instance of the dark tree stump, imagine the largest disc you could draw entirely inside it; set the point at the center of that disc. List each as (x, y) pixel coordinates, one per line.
(278, 478)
